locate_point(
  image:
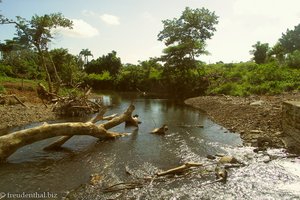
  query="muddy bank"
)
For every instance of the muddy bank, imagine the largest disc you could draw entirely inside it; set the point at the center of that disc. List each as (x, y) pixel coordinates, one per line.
(18, 115)
(253, 117)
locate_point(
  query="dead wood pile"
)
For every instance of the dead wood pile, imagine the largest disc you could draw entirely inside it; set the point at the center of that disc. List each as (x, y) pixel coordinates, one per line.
(73, 105)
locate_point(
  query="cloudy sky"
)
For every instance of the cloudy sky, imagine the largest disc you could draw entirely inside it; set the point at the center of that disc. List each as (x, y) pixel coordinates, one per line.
(130, 27)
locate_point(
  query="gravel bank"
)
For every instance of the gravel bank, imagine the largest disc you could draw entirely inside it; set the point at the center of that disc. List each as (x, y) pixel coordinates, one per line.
(253, 117)
(18, 115)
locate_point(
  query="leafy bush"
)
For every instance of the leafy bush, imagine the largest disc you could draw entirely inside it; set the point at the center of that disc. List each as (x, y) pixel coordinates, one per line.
(293, 59)
(100, 81)
(6, 70)
(2, 89)
(245, 78)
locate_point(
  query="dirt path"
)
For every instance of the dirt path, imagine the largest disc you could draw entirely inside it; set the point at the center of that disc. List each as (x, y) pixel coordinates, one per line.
(253, 117)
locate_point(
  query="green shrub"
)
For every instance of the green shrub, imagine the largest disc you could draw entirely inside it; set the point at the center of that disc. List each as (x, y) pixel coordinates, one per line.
(100, 81)
(243, 79)
(293, 59)
(2, 89)
(6, 70)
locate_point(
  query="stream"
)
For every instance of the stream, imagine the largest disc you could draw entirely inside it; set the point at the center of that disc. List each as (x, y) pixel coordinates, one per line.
(67, 172)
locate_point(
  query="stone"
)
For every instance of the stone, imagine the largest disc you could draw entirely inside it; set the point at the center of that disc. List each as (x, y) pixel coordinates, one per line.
(257, 103)
(291, 125)
(228, 159)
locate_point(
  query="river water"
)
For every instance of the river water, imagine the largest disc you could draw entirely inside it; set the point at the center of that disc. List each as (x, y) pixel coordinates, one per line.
(67, 172)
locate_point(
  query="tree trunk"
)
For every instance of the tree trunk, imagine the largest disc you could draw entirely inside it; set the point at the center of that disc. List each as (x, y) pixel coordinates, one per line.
(10, 143)
(45, 68)
(57, 78)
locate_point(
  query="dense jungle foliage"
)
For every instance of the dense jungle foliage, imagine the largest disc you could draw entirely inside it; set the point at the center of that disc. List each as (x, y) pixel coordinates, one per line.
(178, 72)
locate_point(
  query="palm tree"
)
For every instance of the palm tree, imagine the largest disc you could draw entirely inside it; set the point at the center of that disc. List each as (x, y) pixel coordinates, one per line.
(85, 53)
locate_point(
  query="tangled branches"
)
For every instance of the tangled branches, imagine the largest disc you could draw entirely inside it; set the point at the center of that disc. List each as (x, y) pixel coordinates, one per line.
(74, 105)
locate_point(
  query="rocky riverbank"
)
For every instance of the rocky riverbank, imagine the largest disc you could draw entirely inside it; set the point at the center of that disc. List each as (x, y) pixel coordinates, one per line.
(18, 115)
(255, 117)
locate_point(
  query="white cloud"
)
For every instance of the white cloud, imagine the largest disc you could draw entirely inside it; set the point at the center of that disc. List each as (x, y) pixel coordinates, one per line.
(110, 19)
(81, 29)
(149, 17)
(248, 22)
(106, 18)
(268, 8)
(89, 13)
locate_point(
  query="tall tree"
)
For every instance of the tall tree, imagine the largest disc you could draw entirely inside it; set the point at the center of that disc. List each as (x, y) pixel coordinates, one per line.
(7, 47)
(260, 52)
(38, 33)
(185, 37)
(85, 53)
(148, 65)
(1, 16)
(290, 41)
(66, 64)
(278, 51)
(109, 62)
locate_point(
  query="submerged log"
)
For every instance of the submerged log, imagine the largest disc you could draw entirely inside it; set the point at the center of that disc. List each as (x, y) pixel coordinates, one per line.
(133, 121)
(10, 143)
(161, 130)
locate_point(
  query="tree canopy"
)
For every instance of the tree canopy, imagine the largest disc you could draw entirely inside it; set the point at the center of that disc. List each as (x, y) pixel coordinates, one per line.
(260, 52)
(290, 40)
(38, 32)
(85, 53)
(109, 62)
(185, 36)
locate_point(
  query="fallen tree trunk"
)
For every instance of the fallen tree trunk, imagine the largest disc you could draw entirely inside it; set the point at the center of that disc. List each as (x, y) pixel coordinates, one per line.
(10, 143)
(113, 121)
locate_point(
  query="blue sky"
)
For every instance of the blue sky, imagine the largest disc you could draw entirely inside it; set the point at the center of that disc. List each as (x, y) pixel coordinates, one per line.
(130, 27)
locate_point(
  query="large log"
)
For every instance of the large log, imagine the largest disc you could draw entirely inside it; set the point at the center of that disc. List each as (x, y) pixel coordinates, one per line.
(10, 143)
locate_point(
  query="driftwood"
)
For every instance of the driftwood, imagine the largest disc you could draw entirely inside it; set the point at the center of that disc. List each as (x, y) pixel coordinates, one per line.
(221, 174)
(180, 169)
(71, 105)
(44, 95)
(133, 121)
(58, 143)
(77, 105)
(123, 186)
(161, 130)
(183, 170)
(10, 143)
(4, 97)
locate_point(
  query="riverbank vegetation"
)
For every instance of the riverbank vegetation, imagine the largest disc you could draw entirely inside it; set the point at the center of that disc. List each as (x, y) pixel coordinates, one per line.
(178, 72)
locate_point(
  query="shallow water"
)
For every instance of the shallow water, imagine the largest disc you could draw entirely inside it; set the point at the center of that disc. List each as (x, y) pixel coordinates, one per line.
(31, 169)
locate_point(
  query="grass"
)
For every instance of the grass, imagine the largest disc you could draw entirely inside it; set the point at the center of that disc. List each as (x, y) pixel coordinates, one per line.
(243, 79)
(12, 84)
